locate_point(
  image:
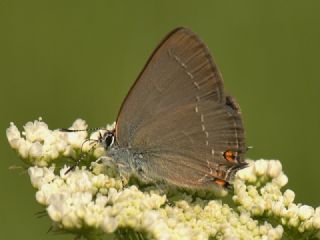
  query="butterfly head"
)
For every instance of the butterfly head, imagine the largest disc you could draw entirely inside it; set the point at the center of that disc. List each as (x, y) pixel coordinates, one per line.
(107, 139)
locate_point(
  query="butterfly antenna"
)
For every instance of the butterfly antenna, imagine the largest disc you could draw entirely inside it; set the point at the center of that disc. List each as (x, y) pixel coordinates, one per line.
(82, 156)
(87, 140)
(81, 130)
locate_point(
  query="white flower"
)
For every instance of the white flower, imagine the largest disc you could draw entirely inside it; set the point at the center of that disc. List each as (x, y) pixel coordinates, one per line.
(94, 197)
(109, 224)
(289, 196)
(305, 212)
(260, 167)
(36, 131)
(274, 168)
(13, 135)
(281, 180)
(38, 145)
(40, 176)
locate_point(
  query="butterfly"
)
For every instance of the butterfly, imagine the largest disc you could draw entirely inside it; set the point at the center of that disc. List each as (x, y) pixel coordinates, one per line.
(177, 124)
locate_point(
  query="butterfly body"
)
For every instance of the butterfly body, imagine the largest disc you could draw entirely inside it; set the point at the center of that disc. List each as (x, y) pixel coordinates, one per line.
(132, 162)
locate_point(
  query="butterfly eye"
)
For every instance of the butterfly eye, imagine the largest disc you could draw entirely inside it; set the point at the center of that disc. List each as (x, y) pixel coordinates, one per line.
(108, 139)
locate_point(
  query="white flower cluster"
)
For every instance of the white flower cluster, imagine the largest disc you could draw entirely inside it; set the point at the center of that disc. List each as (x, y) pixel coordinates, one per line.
(92, 198)
(258, 190)
(38, 145)
(82, 199)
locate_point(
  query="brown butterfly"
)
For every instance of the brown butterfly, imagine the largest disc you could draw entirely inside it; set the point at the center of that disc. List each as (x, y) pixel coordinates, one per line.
(176, 124)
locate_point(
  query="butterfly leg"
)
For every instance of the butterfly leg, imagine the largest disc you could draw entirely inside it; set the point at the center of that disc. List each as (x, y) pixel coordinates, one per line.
(124, 172)
(107, 161)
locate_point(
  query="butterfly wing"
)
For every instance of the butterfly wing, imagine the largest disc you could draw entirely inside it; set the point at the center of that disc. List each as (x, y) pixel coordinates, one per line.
(191, 144)
(178, 115)
(179, 70)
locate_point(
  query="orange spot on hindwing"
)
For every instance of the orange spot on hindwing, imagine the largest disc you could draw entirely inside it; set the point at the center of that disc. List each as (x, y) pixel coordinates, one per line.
(230, 156)
(220, 182)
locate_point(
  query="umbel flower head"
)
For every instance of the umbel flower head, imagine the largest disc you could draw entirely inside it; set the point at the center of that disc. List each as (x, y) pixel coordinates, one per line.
(93, 200)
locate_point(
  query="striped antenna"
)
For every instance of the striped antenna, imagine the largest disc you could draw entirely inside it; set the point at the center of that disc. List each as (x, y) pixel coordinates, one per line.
(81, 130)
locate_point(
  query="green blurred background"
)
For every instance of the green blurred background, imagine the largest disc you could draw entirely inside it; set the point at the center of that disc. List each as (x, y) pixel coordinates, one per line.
(67, 59)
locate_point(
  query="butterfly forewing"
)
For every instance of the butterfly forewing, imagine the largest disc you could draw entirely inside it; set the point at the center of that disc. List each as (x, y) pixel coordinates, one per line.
(178, 71)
